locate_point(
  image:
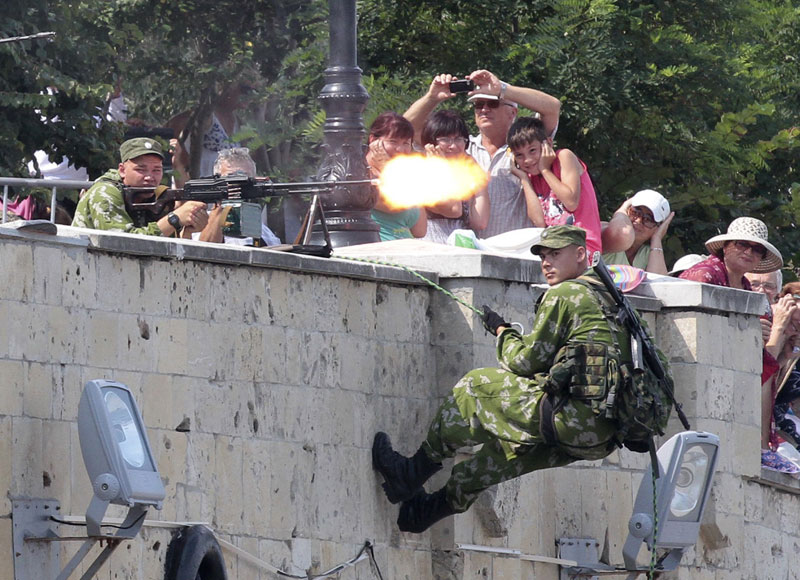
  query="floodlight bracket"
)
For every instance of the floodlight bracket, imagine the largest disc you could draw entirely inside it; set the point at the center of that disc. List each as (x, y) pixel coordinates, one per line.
(35, 541)
(584, 551)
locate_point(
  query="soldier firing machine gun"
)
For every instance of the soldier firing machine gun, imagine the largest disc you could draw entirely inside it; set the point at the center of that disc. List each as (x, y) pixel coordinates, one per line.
(147, 204)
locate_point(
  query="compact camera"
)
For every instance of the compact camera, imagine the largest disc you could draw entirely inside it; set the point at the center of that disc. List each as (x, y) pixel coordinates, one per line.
(462, 86)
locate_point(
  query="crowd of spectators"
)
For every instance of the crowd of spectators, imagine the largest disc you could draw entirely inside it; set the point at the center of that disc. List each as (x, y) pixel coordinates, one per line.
(531, 184)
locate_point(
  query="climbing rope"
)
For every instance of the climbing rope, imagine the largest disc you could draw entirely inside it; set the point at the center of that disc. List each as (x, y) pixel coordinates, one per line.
(418, 275)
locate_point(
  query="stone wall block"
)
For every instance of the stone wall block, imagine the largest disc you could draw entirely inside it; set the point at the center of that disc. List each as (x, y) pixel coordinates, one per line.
(7, 540)
(38, 393)
(452, 323)
(357, 356)
(47, 283)
(256, 492)
(291, 480)
(7, 450)
(227, 479)
(404, 369)
(79, 281)
(171, 341)
(79, 483)
(275, 360)
(27, 464)
(29, 334)
(12, 386)
(677, 335)
(56, 456)
(622, 489)
(745, 456)
(102, 336)
(170, 450)
(727, 552)
(136, 349)
(155, 404)
(207, 351)
(121, 274)
(336, 493)
(16, 271)
(248, 353)
(316, 360)
(195, 289)
(277, 307)
(772, 561)
(213, 412)
(395, 321)
(356, 308)
(155, 287)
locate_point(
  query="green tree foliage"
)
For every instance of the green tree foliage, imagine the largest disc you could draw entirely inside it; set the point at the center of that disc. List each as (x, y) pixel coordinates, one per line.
(77, 65)
(697, 99)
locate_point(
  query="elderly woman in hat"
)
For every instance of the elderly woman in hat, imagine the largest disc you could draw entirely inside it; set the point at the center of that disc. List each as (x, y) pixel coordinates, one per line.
(639, 224)
(744, 248)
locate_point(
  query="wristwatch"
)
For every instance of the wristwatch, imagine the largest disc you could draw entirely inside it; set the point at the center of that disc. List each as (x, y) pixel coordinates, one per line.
(174, 221)
(503, 87)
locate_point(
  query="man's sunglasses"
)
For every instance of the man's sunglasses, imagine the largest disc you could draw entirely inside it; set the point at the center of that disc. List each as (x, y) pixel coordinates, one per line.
(478, 105)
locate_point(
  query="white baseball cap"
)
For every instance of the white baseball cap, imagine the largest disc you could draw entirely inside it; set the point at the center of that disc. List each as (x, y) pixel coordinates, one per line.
(653, 201)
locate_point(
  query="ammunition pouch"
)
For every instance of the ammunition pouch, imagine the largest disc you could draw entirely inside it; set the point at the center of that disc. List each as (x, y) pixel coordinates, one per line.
(586, 372)
(583, 371)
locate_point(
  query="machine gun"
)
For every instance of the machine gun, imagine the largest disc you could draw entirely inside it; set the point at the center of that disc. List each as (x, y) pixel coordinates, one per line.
(147, 204)
(144, 205)
(643, 351)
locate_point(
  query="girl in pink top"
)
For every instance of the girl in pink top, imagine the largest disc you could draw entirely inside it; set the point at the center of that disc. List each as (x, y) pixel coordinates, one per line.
(556, 184)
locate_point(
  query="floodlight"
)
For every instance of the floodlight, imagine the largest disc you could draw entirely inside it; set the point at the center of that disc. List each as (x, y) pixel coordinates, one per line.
(117, 456)
(672, 521)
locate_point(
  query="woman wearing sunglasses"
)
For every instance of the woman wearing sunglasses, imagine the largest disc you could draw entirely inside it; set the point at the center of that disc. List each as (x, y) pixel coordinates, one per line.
(744, 248)
(642, 221)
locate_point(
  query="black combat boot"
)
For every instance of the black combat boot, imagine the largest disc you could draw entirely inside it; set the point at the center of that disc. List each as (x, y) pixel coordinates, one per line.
(423, 510)
(403, 476)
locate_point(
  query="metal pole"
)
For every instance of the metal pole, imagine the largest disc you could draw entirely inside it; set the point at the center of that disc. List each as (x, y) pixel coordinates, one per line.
(344, 98)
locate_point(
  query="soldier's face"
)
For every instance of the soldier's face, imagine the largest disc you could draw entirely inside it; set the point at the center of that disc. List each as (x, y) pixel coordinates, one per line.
(562, 263)
(142, 171)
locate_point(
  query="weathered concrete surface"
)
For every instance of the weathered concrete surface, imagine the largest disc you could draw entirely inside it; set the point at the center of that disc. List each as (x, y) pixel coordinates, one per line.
(263, 376)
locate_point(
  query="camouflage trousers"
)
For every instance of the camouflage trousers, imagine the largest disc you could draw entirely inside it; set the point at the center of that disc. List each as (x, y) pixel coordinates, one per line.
(490, 465)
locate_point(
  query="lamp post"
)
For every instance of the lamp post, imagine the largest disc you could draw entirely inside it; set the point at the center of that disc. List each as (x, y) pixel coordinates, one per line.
(347, 209)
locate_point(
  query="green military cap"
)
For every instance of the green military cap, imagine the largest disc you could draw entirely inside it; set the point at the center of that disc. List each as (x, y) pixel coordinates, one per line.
(560, 237)
(133, 148)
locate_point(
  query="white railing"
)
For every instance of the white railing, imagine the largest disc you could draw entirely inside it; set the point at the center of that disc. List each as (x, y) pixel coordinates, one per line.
(52, 184)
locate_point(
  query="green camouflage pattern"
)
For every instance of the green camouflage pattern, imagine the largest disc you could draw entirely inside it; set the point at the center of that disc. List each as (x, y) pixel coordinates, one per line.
(500, 407)
(102, 207)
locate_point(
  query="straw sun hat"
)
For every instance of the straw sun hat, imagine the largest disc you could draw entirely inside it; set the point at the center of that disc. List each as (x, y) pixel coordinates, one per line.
(750, 230)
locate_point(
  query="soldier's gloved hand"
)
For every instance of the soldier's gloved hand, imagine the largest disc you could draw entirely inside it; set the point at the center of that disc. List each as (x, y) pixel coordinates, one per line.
(492, 320)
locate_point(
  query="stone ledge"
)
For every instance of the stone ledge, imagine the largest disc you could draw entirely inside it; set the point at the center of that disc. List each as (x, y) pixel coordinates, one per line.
(174, 249)
(777, 479)
(677, 293)
(450, 261)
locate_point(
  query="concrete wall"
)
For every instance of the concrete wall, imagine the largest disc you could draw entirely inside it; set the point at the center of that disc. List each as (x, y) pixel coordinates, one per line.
(262, 378)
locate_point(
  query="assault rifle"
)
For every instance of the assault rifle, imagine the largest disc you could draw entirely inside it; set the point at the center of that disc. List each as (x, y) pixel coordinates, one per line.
(144, 206)
(643, 351)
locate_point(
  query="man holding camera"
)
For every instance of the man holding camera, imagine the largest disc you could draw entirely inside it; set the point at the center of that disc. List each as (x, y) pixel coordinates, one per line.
(495, 104)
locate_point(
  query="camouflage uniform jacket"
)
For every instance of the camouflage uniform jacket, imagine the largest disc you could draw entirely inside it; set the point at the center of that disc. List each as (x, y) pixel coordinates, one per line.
(507, 401)
(102, 207)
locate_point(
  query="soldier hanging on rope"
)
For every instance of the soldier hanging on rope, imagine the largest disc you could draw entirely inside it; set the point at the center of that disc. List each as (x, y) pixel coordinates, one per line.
(549, 405)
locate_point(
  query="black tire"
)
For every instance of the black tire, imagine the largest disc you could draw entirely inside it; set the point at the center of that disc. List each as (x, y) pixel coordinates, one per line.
(194, 554)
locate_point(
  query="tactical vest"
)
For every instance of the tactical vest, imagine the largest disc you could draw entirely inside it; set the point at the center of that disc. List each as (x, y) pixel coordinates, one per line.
(603, 377)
